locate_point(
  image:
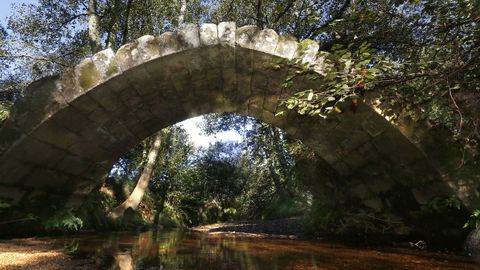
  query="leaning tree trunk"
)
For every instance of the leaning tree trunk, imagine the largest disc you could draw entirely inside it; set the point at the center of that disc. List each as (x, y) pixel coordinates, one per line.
(136, 197)
(93, 26)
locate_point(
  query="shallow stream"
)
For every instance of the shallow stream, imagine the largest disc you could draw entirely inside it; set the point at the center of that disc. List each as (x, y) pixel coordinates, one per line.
(188, 250)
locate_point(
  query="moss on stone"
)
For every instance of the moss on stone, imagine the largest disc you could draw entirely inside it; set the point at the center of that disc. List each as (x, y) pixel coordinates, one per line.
(88, 76)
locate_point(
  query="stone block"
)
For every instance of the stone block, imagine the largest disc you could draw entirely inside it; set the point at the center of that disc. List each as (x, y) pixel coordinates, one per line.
(97, 172)
(212, 56)
(271, 103)
(276, 81)
(280, 119)
(255, 105)
(47, 180)
(120, 131)
(245, 36)
(291, 131)
(147, 49)
(84, 104)
(100, 116)
(33, 151)
(140, 79)
(198, 61)
(341, 167)
(320, 65)
(244, 87)
(56, 135)
(286, 47)
(361, 156)
(67, 83)
(9, 134)
(142, 112)
(124, 56)
(208, 34)
(266, 41)
(105, 64)
(229, 76)
(226, 33)
(356, 140)
(73, 165)
(307, 51)
(215, 78)
(267, 117)
(87, 75)
(118, 83)
(189, 36)
(139, 131)
(42, 100)
(244, 61)
(71, 118)
(169, 43)
(233, 106)
(397, 148)
(259, 82)
(130, 98)
(374, 125)
(107, 99)
(91, 151)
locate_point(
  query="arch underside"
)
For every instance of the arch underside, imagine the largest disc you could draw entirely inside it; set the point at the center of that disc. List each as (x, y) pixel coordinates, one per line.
(63, 138)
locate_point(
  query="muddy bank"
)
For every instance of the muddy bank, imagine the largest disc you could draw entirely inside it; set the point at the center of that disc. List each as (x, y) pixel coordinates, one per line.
(32, 254)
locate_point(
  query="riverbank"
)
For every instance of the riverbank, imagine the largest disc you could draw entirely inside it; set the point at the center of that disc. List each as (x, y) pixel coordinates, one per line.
(292, 228)
(289, 228)
(31, 253)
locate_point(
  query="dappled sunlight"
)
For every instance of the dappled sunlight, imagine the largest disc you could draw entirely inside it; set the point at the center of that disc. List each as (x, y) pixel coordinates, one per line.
(35, 254)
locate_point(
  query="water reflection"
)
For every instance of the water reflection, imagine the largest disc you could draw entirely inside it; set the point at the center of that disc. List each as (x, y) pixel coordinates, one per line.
(184, 250)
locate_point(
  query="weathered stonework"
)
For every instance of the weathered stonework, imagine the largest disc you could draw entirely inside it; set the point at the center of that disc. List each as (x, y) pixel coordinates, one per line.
(69, 130)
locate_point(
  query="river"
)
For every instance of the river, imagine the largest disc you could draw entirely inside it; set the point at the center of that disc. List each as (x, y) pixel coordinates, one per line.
(175, 249)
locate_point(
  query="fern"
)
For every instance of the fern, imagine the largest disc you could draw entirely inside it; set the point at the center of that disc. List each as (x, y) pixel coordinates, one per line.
(63, 220)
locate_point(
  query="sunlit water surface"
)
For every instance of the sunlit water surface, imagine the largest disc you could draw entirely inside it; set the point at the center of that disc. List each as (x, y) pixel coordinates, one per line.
(184, 250)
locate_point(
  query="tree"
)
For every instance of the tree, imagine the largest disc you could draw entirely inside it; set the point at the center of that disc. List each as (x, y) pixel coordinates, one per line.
(418, 59)
(5, 94)
(93, 27)
(136, 197)
(266, 167)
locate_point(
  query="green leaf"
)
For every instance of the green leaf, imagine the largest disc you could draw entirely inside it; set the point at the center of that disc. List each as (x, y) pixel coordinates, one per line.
(362, 63)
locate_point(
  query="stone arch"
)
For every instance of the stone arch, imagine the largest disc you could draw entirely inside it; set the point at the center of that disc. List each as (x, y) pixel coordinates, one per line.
(65, 135)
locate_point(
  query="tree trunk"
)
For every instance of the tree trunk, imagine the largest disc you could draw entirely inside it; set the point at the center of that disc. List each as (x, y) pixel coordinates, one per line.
(142, 185)
(125, 26)
(93, 27)
(159, 206)
(260, 16)
(181, 16)
(110, 42)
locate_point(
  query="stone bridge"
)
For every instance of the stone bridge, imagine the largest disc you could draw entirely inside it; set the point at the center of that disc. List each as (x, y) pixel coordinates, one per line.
(63, 137)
